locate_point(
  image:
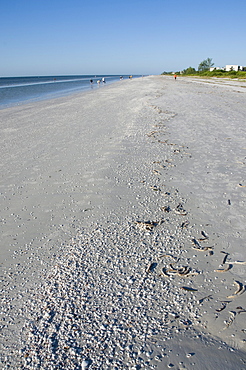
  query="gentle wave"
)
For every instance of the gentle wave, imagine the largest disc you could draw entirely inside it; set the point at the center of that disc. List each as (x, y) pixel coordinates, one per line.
(21, 90)
(55, 80)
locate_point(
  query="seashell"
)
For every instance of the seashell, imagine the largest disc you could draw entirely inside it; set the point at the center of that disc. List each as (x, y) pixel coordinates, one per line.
(225, 269)
(151, 267)
(240, 289)
(85, 364)
(180, 210)
(188, 289)
(222, 307)
(202, 299)
(148, 225)
(225, 258)
(166, 208)
(185, 224)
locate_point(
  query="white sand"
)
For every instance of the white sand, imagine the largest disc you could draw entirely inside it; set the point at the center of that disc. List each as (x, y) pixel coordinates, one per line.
(77, 173)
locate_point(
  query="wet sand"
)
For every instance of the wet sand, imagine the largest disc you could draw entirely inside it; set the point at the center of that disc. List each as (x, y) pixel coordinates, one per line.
(123, 228)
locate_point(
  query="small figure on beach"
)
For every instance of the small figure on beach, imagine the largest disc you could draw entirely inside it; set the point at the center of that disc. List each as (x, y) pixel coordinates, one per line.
(175, 76)
(91, 81)
(103, 80)
(121, 77)
(98, 82)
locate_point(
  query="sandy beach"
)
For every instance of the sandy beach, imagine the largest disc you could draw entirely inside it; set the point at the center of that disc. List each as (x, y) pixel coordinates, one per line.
(123, 228)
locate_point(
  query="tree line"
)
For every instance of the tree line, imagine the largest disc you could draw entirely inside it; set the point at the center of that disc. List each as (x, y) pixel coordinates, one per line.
(204, 70)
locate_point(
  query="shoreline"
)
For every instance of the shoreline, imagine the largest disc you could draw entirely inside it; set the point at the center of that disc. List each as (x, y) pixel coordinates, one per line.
(124, 187)
(36, 91)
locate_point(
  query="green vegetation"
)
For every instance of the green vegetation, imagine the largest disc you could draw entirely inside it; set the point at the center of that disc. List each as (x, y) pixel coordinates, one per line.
(205, 65)
(204, 71)
(222, 73)
(189, 71)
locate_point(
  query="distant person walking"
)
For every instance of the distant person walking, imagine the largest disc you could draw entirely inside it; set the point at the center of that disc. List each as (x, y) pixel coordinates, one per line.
(175, 76)
(103, 80)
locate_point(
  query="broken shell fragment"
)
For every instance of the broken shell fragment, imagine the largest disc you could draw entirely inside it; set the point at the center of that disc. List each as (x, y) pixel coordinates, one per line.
(85, 364)
(189, 289)
(225, 269)
(240, 289)
(151, 267)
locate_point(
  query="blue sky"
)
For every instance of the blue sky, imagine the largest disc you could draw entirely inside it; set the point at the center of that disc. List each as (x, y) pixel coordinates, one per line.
(58, 37)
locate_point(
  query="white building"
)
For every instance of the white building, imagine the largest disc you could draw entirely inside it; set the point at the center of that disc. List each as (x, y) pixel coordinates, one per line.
(233, 67)
(228, 68)
(215, 69)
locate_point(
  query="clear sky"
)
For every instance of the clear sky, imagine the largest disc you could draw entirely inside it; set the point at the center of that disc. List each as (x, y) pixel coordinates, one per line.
(59, 37)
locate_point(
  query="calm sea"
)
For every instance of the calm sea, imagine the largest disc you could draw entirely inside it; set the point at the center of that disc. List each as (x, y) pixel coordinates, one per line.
(20, 90)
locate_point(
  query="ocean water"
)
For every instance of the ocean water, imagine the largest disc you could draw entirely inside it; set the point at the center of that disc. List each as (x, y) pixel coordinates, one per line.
(21, 90)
